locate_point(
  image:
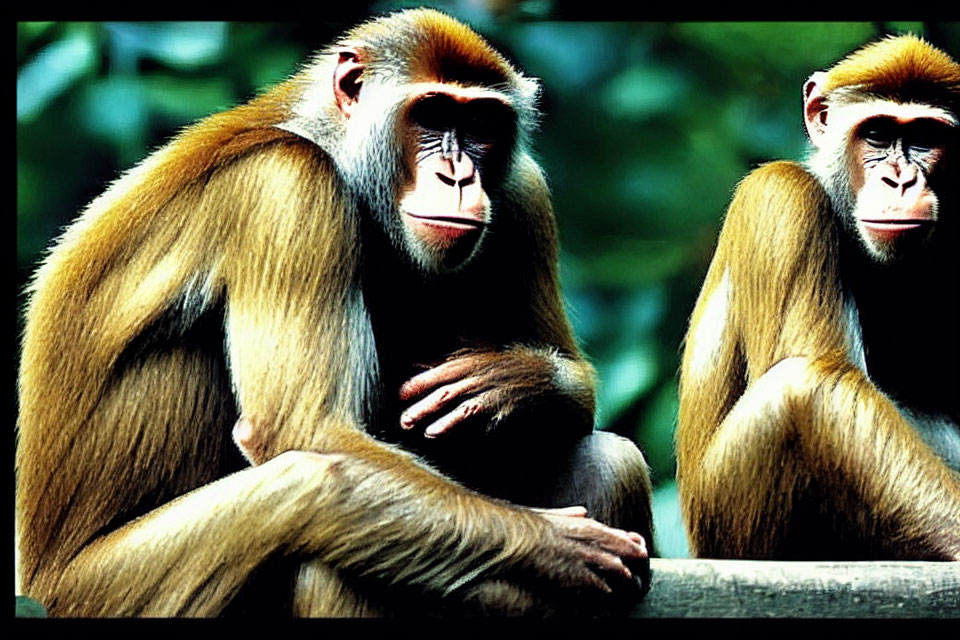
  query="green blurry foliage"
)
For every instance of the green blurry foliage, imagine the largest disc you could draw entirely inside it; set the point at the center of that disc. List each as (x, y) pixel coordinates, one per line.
(28, 608)
(647, 128)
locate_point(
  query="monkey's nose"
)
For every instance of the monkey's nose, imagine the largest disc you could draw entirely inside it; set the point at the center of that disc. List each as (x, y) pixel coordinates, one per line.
(460, 172)
(901, 177)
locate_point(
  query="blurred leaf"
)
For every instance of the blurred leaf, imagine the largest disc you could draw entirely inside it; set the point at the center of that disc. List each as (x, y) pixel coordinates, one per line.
(626, 262)
(187, 99)
(642, 91)
(753, 45)
(572, 54)
(29, 239)
(52, 71)
(655, 430)
(179, 44)
(625, 375)
(275, 65)
(763, 129)
(916, 28)
(670, 533)
(583, 310)
(29, 608)
(28, 31)
(115, 108)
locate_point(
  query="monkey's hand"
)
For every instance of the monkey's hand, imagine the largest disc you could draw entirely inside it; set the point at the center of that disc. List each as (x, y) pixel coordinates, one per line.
(492, 385)
(613, 561)
(584, 568)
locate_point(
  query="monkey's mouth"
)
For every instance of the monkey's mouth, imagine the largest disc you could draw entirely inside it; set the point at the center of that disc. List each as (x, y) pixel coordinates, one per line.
(457, 222)
(888, 230)
(904, 224)
(442, 230)
(447, 240)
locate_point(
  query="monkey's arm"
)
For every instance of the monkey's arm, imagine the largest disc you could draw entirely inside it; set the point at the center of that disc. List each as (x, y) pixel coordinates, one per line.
(191, 556)
(496, 384)
(770, 398)
(541, 368)
(818, 431)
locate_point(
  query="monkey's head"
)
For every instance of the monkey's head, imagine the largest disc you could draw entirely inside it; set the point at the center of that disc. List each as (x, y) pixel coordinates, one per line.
(424, 123)
(883, 123)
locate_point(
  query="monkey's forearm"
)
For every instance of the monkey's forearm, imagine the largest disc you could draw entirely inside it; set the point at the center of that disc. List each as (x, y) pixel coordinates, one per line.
(564, 388)
(190, 557)
(575, 381)
(534, 387)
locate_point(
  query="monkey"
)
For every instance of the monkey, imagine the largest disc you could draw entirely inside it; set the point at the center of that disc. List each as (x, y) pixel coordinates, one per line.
(819, 413)
(314, 350)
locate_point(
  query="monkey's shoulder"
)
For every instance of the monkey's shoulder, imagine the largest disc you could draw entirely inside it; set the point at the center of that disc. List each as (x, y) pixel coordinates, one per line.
(783, 182)
(778, 197)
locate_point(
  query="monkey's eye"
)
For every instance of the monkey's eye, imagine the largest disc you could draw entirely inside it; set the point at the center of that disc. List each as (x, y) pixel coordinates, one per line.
(434, 112)
(488, 120)
(878, 133)
(926, 134)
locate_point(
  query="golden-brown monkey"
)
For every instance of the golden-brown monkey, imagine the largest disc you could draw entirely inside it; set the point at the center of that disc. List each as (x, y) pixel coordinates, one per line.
(819, 392)
(358, 264)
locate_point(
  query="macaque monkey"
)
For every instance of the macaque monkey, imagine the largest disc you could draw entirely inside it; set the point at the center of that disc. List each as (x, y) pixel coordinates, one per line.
(819, 402)
(351, 281)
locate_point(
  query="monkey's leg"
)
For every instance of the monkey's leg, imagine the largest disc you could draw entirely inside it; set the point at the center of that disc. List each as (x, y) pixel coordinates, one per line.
(746, 483)
(191, 556)
(320, 592)
(601, 471)
(813, 460)
(608, 475)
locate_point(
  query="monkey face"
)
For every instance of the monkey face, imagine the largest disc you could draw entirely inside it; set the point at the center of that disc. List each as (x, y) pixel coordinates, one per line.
(457, 141)
(892, 161)
(880, 161)
(428, 137)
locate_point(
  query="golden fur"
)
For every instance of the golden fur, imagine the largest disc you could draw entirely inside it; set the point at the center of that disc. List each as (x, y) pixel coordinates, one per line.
(786, 448)
(221, 276)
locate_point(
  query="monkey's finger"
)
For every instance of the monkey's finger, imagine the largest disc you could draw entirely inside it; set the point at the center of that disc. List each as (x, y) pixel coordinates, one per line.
(622, 544)
(441, 374)
(584, 575)
(242, 431)
(613, 540)
(639, 539)
(480, 403)
(437, 400)
(606, 561)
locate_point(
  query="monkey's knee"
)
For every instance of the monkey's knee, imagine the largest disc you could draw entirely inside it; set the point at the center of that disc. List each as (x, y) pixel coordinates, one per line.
(789, 380)
(769, 411)
(733, 497)
(610, 477)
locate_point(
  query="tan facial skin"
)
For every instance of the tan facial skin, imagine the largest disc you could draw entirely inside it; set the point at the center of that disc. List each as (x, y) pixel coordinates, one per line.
(891, 152)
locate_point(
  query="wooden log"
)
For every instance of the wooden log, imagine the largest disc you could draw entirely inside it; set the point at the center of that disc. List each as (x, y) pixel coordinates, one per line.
(766, 589)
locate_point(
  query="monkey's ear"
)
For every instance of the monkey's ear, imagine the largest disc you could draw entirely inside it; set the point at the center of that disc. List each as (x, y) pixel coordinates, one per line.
(815, 107)
(347, 80)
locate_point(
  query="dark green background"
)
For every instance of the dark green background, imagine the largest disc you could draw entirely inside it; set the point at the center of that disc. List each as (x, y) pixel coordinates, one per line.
(647, 127)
